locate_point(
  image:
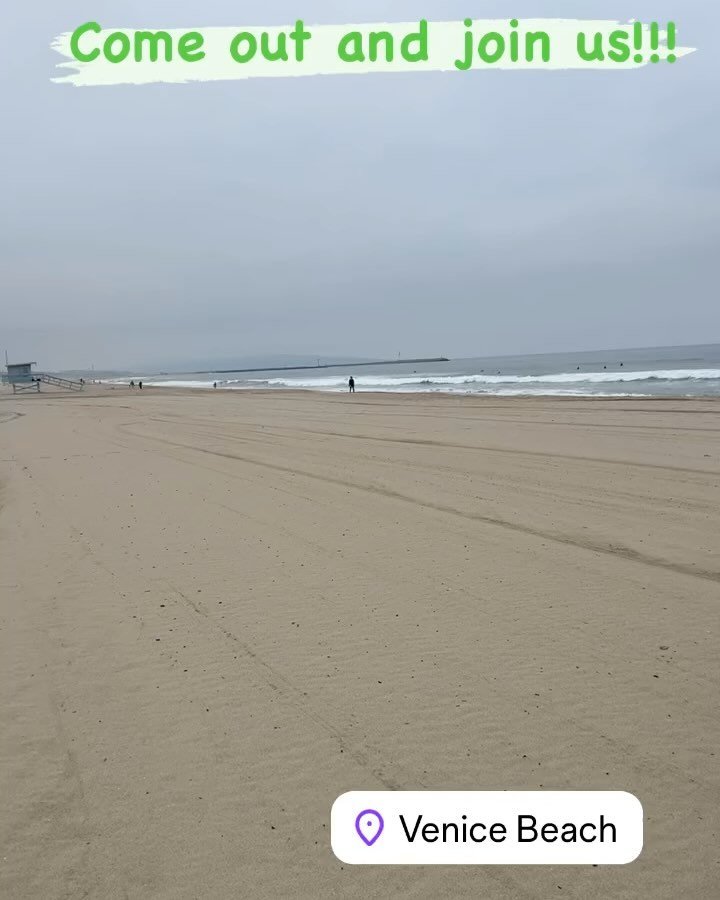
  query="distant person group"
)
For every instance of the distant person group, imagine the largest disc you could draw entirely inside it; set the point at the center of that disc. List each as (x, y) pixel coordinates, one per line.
(132, 384)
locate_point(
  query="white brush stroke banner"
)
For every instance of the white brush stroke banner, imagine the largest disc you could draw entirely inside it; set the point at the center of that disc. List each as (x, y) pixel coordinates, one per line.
(446, 44)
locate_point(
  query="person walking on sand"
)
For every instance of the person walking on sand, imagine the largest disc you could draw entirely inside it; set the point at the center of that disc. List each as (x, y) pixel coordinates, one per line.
(351, 385)
(140, 384)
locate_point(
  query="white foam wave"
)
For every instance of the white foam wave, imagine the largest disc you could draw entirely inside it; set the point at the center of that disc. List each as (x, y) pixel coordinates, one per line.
(614, 383)
(396, 381)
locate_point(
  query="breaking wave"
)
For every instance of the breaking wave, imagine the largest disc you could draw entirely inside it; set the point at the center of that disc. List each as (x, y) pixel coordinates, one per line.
(429, 381)
(616, 383)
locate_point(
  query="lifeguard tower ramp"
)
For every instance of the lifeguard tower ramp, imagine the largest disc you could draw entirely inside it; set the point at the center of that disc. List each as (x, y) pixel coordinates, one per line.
(22, 378)
(66, 383)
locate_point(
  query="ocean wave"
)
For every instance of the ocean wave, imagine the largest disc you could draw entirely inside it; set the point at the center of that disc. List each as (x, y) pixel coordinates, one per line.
(615, 383)
(396, 381)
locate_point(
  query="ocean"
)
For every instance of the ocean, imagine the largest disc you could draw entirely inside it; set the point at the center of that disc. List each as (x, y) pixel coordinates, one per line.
(688, 371)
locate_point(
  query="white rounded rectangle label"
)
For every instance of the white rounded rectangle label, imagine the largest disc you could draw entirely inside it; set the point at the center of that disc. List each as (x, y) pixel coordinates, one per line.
(487, 827)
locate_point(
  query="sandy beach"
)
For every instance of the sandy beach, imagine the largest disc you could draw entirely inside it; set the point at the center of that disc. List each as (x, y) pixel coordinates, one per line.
(221, 610)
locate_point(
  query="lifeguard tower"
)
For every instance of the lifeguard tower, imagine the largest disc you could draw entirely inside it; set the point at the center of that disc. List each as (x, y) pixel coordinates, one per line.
(22, 378)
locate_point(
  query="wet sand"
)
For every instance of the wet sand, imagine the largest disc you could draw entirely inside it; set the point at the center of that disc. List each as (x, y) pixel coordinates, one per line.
(221, 610)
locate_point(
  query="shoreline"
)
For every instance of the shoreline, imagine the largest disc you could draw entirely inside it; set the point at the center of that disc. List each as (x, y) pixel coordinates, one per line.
(105, 388)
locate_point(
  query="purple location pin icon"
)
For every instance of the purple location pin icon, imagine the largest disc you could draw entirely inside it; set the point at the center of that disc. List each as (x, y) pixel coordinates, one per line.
(369, 825)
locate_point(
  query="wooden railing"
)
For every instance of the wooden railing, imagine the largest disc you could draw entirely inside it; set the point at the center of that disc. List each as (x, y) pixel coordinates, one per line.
(66, 383)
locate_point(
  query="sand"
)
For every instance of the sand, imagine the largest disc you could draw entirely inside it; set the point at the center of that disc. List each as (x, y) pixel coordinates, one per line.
(220, 610)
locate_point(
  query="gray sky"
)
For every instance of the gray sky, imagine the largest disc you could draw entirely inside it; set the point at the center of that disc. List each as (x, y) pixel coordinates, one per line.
(466, 214)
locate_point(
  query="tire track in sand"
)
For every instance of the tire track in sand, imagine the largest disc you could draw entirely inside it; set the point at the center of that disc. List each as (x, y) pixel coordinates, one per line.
(620, 550)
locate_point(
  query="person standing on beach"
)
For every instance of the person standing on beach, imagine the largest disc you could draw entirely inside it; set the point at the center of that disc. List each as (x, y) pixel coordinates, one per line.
(351, 385)
(140, 384)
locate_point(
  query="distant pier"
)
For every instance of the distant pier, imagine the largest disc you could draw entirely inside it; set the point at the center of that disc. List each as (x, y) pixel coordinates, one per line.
(340, 365)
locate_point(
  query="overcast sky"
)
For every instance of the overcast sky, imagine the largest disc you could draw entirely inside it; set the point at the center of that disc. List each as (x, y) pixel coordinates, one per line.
(466, 214)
